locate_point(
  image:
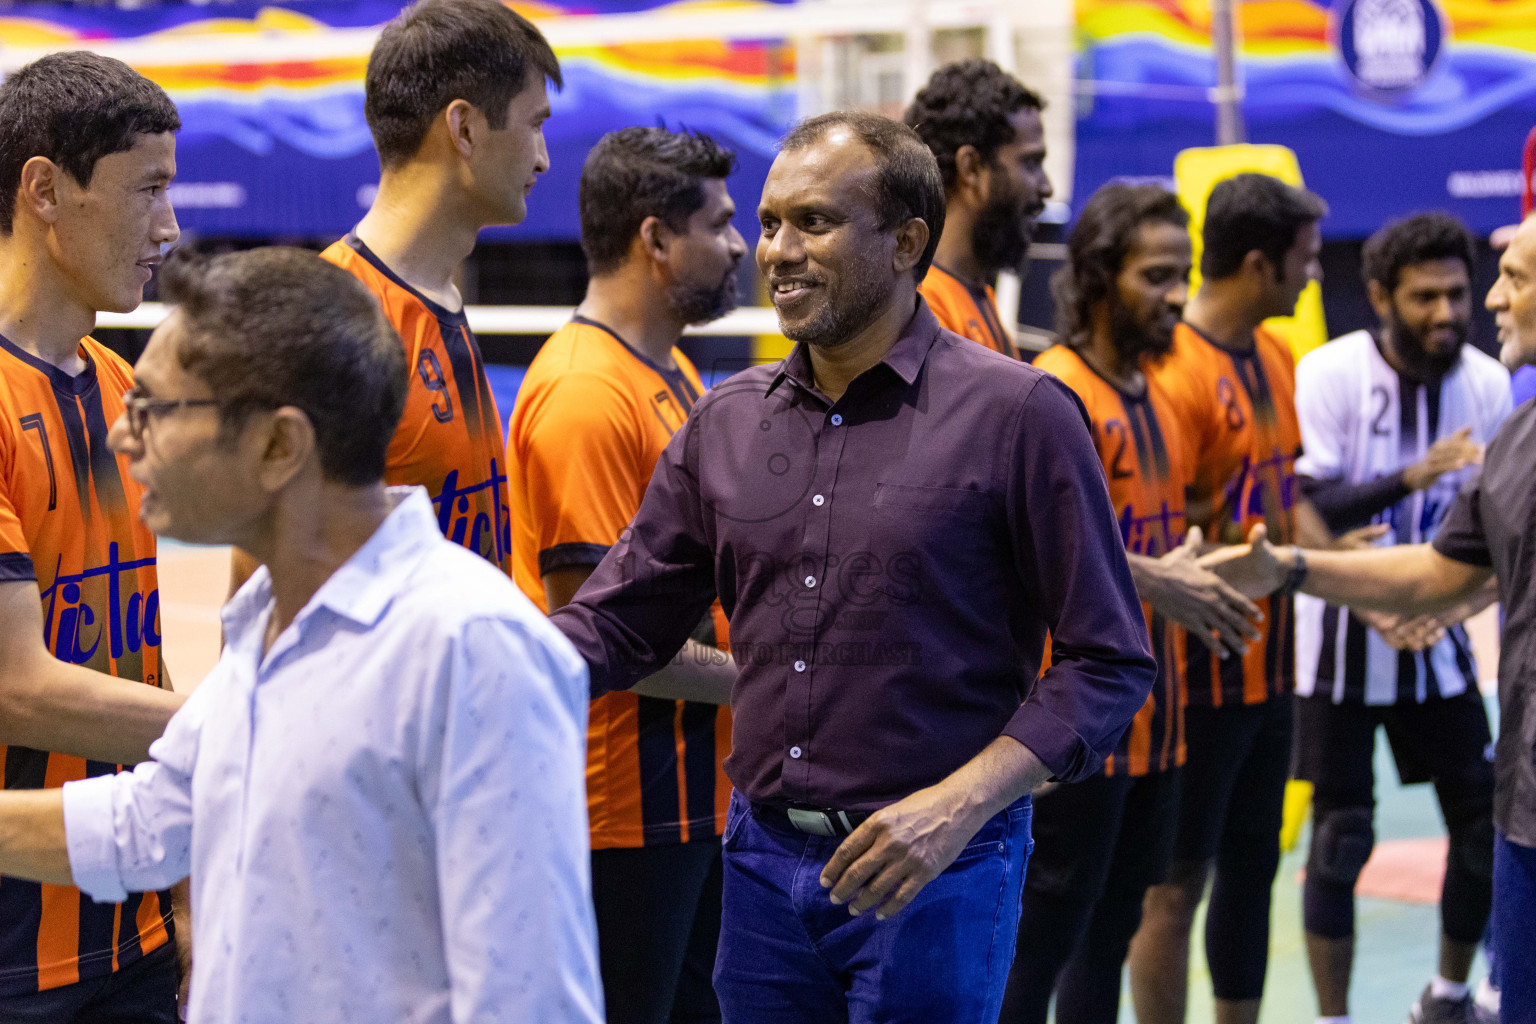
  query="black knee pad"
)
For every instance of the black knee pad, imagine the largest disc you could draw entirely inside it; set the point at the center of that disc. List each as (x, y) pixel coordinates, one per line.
(1342, 839)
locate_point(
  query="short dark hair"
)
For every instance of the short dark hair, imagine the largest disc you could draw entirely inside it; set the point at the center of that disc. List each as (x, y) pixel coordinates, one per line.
(74, 108)
(968, 103)
(635, 173)
(908, 184)
(1097, 246)
(1421, 238)
(438, 51)
(276, 326)
(1254, 211)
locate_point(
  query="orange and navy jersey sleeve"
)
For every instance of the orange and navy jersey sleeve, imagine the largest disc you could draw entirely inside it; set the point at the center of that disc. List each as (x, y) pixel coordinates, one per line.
(1147, 468)
(449, 439)
(968, 313)
(69, 524)
(576, 450)
(592, 419)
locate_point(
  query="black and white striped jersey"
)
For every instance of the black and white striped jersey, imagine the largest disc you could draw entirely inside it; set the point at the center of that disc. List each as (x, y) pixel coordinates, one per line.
(1360, 420)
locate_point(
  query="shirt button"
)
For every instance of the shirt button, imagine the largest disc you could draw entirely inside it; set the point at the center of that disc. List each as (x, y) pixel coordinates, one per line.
(818, 501)
(799, 666)
(837, 419)
(810, 581)
(794, 752)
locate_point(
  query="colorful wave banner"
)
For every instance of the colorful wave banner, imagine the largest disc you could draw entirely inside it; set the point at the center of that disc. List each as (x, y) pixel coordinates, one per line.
(274, 142)
(1391, 106)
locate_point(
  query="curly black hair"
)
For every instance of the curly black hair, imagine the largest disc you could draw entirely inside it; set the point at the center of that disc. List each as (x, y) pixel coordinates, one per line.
(1420, 238)
(1097, 246)
(968, 103)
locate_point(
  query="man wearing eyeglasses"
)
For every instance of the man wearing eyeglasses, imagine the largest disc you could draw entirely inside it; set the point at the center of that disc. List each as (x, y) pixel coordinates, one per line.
(377, 792)
(87, 150)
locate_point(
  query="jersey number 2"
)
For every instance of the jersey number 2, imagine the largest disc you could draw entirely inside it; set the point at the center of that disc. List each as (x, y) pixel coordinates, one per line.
(1379, 420)
(1117, 470)
(431, 373)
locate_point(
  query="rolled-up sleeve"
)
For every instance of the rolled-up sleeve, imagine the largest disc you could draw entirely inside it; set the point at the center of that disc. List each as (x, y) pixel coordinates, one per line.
(132, 832)
(646, 596)
(1069, 554)
(508, 811)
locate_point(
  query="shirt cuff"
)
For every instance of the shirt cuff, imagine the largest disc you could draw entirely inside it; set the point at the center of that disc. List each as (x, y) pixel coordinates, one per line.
(1055, 742)
(90, 839)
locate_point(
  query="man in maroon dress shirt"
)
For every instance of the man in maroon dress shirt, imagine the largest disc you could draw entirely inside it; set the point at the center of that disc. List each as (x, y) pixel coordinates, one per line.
(892, 517)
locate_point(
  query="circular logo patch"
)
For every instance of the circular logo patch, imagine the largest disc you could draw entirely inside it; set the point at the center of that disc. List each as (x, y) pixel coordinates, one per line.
(1389, 45)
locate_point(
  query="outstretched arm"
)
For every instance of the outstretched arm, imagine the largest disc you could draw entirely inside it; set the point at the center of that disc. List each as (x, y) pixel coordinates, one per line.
(1405, 580)
(112, 834)
(46, 704)
(698, 673)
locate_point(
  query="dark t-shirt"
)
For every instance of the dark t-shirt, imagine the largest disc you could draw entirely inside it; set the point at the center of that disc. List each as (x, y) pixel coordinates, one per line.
(1493, 524)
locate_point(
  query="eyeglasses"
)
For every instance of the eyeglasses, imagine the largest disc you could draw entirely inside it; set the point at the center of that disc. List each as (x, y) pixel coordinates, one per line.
(140, 409)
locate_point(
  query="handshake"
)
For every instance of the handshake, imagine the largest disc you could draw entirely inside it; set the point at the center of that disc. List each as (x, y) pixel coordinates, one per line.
(1258, 568)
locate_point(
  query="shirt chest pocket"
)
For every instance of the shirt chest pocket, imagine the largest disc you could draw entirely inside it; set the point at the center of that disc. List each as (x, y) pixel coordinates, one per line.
(951, 529)
(959, 504)
(937, 536)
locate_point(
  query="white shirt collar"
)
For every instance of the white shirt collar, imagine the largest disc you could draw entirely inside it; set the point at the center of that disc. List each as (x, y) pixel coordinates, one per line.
(362, 588)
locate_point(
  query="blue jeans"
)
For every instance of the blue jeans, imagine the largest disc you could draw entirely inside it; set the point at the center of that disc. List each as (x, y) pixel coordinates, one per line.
(788, 954)
(1514, 938)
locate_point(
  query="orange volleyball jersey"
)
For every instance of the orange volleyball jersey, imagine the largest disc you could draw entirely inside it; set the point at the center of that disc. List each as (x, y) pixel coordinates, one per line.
(967, 312)
(69, 521)
(591, 421)
(1240, 410)
(449, 439)
(1148, 464)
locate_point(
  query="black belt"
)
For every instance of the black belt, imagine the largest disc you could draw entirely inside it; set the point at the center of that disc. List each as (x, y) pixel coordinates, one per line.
(813, 821)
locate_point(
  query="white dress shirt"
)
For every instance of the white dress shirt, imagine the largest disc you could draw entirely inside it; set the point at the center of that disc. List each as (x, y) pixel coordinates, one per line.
(384, 817)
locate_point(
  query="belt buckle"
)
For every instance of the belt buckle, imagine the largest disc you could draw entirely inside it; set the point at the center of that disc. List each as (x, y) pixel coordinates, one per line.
(819, 823)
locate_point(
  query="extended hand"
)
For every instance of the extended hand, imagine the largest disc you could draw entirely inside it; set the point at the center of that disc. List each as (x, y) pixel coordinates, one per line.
(1252, 569)
(1444, 456)
(1185, 592)
(1403, 634)
(898, 850)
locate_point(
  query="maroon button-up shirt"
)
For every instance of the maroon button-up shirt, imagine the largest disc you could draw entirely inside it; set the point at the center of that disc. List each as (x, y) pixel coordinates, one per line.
(890, 564)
